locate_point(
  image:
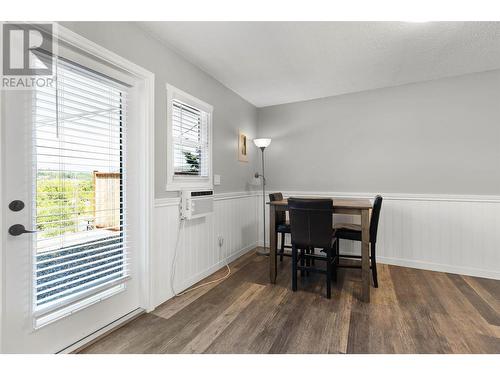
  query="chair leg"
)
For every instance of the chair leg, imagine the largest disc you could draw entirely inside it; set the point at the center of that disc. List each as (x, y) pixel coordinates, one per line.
(312, 252)
(282, 246)
(329, 273)
(302, 262)
(294, 268)
(374, 265)
(334, 261)
(338, 251)
(308, 260)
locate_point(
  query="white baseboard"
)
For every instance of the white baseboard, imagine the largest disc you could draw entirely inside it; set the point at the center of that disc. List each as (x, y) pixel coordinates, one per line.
(468, 271)
(440, 267)
(207, 272)
(101, 332)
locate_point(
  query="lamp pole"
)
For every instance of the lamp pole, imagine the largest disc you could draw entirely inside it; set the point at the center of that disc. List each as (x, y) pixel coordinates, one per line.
(262, 143)
(263, 251)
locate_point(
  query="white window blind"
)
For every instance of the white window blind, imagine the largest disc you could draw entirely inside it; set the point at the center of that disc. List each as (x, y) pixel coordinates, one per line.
(80, 247)
(190, 140)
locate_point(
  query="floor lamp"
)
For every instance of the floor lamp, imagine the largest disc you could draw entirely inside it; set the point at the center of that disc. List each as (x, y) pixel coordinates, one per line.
(262, 143)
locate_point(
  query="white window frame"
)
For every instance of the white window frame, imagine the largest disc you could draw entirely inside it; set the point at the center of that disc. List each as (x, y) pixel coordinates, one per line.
(177, 183)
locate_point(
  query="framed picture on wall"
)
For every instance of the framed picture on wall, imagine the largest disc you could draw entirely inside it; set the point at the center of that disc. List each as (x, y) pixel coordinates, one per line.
(242, 146)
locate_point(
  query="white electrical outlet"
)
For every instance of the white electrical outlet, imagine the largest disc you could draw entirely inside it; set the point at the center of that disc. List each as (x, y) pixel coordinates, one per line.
(216, 179)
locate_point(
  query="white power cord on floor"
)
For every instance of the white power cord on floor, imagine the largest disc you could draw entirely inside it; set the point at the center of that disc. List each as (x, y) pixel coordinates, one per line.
(174, 262)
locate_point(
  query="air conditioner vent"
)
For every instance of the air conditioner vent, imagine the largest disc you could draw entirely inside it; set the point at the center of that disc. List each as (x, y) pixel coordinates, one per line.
(202, 193)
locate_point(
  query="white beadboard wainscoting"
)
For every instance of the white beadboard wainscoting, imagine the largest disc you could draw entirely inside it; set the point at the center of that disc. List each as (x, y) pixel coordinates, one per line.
(198, 253)
(456, 234)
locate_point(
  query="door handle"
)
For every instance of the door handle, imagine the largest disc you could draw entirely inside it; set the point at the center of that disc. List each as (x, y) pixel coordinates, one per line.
(18, 229)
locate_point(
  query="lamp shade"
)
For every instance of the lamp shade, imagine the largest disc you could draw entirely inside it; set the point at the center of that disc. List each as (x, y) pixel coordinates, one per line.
(262, 142)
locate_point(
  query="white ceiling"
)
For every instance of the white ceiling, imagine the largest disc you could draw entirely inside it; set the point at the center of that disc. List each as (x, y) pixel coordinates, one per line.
(271, 63)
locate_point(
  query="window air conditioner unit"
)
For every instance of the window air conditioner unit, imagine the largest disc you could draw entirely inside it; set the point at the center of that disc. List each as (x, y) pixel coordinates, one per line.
(195, 204)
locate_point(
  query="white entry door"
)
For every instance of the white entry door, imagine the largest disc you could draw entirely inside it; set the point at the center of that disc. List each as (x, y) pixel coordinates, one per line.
(72, 232)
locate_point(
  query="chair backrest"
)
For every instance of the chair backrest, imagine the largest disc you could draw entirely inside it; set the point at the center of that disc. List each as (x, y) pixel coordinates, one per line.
(311, 222)
(280, 215)
(377, 205)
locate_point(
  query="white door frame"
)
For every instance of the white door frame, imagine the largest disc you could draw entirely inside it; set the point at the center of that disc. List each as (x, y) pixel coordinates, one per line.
(2, 214)
(145, 182)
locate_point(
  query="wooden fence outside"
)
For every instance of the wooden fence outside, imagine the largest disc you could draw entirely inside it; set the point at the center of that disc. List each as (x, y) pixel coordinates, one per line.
(107, 200)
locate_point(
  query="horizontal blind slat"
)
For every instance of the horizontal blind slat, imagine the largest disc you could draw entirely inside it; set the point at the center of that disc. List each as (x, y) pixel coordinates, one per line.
(77, 283)
(93, 281)
(111, 145)
(71, 220)
(71, 80)
(67, 102)
(79, 212)
(75, 297)
(90, 236)
(72, 257)
(110, 151)
(73, 274)
(78, 131)
(78, 93)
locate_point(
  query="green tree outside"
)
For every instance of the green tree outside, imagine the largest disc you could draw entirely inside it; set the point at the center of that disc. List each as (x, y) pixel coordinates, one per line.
(193, 161)
(63, 201)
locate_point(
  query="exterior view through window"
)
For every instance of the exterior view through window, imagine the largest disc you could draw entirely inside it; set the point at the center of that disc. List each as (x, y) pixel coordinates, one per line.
(190, 134)
(79, 173)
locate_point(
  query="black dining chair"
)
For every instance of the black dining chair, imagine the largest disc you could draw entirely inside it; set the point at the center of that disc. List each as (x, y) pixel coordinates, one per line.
(282, 226)
(311, 227)
(345, 231)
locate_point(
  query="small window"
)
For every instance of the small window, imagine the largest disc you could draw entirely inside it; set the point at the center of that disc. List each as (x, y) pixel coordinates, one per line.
(189, 123)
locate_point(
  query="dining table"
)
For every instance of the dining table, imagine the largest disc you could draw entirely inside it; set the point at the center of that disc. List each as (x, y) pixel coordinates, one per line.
(346, 206)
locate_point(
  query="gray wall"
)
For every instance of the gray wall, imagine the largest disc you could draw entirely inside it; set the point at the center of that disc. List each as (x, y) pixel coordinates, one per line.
(440, 136)
(231, 112)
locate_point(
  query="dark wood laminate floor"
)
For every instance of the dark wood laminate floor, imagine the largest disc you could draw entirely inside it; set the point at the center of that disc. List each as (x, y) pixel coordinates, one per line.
(412, 311)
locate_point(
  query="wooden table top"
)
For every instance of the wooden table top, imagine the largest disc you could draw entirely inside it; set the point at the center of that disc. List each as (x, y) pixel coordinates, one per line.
(352, 203)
